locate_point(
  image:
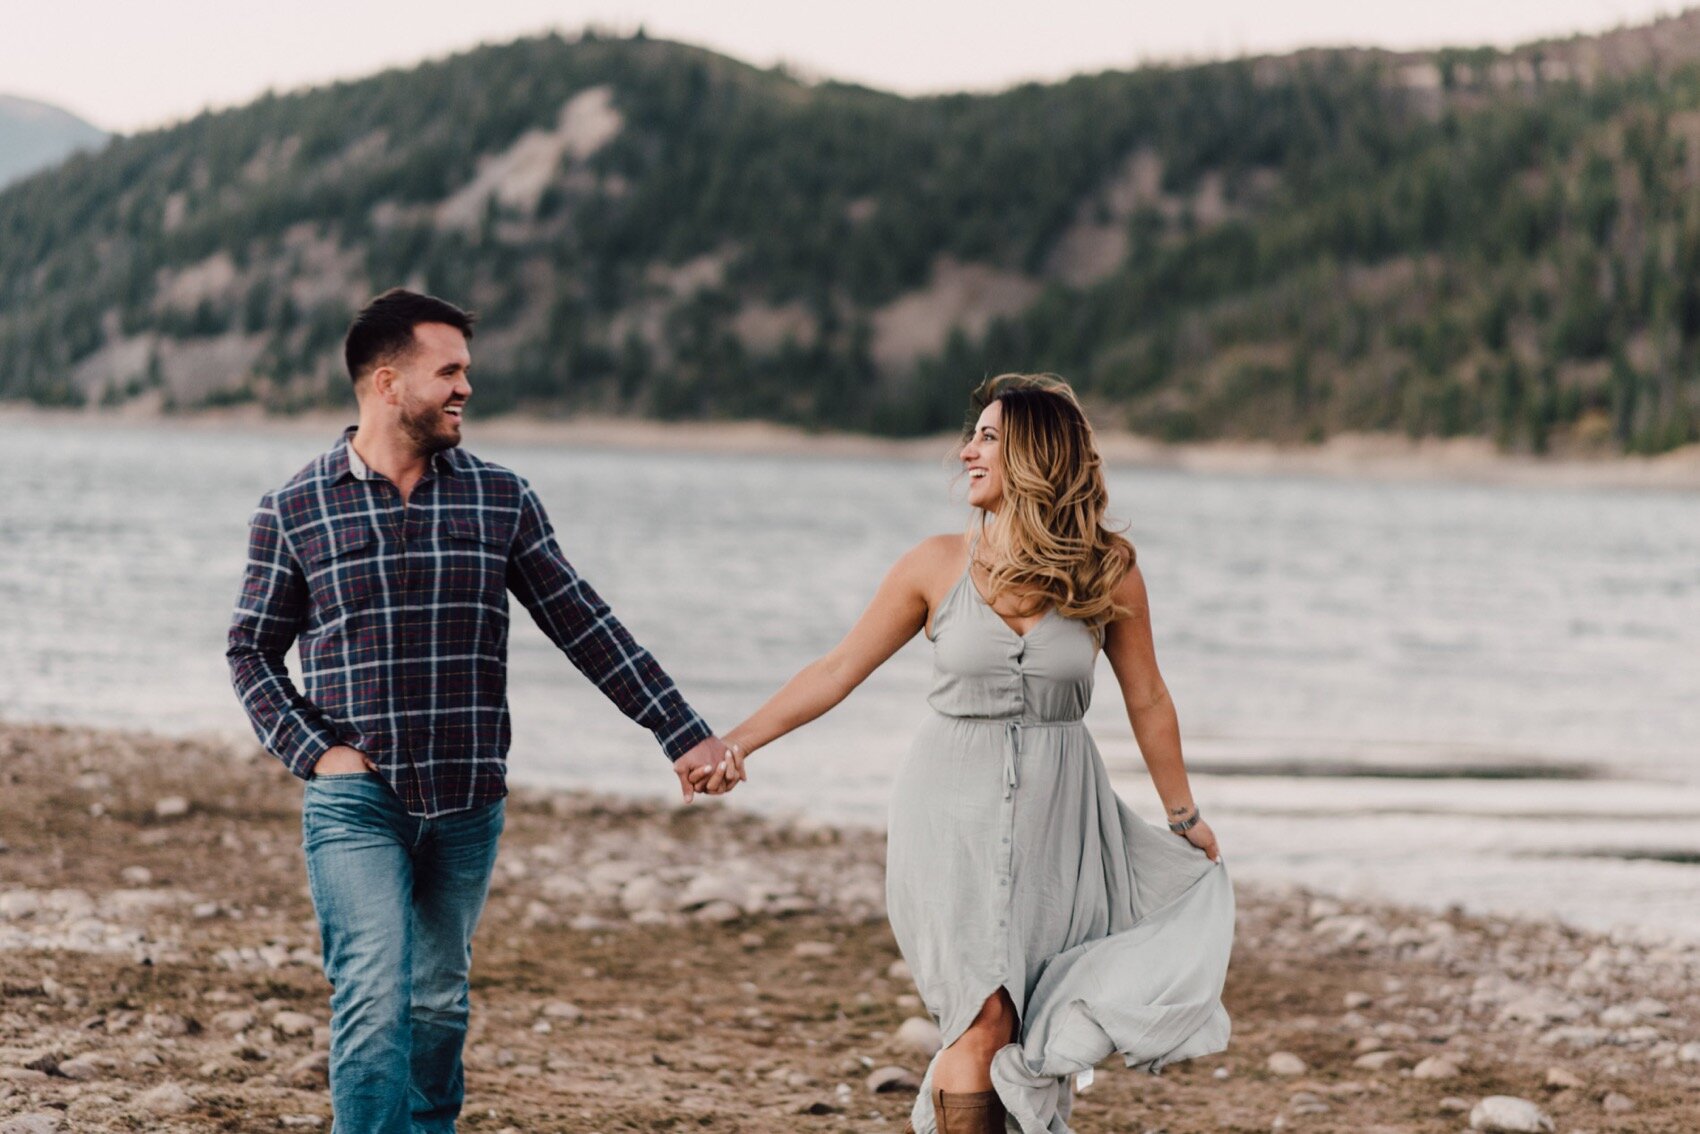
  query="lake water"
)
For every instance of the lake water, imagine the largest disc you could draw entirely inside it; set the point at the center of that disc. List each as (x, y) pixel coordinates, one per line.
(1435, 693)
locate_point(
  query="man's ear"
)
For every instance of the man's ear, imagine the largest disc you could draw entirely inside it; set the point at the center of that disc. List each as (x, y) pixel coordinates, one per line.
(382, 382)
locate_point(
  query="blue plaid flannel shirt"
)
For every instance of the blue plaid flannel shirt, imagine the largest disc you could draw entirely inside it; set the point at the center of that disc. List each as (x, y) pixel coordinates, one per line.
(401, 613)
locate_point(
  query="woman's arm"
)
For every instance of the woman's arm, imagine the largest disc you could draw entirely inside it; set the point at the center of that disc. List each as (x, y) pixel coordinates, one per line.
(1133, 657)
(898, 610)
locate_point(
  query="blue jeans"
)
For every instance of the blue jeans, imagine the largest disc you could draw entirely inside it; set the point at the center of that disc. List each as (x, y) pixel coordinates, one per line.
(398, 898)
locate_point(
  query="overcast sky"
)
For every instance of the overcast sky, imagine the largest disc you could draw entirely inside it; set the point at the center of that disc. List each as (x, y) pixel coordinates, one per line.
(124, 64)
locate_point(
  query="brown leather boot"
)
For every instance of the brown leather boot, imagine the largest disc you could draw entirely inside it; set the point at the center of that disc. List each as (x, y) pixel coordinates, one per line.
(975, 1112)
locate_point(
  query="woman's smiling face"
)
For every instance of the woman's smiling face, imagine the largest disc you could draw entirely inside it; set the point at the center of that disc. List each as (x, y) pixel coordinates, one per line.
(982, 459)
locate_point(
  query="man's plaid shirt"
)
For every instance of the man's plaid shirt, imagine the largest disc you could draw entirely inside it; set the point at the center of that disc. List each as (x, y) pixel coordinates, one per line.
(402, 617)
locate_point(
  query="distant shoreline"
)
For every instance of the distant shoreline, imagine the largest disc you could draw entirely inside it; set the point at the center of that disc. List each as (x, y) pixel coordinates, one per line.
(1347, 456)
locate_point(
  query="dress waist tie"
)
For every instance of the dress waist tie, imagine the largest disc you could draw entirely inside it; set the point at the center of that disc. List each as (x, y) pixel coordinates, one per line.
(1012, 733)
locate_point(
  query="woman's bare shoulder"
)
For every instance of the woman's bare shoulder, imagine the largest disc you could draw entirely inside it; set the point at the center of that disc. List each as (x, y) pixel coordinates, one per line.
(934, 558)
(1130, 595)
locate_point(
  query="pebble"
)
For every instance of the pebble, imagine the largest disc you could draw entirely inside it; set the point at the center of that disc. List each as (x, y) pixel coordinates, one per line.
(234, 1020)
(1376, 1060)
(1504, 1114)
(166, 1099)
(294, 1024)
(301, 1122)
(1308, 1102)
(893, 1080)
(165, 1024)
(561, 1010)
(813, 950)
(645, 893)
(708, 889)
(1286, 1063)
(1559, 1079)
(82, 1069)
(136, 875)
(718, 912)
(21, 1075)
(1452, 1104)
(18, 904)
(1357, 1000)
(310, 1072)
(1579, 1037)
(1616, 1103)
(1435, 1067)
(171, 807)
(899, 971)
(36, 1122)
(1543, 1007)
(921, 1034)
(1689, 1053)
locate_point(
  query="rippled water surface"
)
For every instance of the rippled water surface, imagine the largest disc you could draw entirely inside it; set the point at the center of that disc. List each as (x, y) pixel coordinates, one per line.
(1435, 692)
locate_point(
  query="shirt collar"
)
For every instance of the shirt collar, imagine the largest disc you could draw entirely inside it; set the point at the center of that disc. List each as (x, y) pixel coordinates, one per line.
(344, 460)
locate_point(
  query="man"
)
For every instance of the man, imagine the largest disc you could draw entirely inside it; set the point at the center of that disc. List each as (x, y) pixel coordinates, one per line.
(389, 558)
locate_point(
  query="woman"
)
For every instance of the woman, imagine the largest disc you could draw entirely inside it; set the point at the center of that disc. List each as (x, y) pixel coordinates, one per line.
(1047, 927)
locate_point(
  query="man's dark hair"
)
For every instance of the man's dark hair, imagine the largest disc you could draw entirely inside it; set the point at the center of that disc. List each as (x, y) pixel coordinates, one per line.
(383, 331)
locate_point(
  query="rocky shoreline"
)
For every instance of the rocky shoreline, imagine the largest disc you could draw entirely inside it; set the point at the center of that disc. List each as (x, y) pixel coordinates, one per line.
(643, 968)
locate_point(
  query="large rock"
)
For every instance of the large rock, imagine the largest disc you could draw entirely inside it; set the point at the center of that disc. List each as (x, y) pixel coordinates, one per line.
(1503, 1114)
(920, 1034)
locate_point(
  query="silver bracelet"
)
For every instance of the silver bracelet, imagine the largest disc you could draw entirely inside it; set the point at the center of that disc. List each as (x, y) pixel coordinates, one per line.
(1187, 824)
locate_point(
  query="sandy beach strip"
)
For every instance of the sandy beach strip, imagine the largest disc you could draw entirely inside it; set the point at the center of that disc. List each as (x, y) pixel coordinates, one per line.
(1350, 456)
(644, 967)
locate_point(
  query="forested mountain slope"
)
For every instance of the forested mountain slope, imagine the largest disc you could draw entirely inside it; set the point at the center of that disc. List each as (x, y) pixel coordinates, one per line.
(1503, 244)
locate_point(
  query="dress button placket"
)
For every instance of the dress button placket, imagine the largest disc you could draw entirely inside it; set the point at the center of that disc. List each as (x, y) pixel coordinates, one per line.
(1006, 860)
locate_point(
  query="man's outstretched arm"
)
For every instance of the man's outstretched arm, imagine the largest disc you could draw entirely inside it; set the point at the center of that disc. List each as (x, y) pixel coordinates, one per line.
(577, 620)
(268, 615)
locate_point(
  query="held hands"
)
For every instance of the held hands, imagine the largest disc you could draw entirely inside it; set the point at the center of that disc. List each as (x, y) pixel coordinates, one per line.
(713, 767)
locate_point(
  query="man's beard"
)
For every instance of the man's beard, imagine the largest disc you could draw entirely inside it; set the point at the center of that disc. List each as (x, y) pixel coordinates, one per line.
(429, 429)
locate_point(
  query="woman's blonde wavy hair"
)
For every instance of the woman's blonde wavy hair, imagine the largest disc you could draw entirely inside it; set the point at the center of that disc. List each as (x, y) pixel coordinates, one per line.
(1050, 542)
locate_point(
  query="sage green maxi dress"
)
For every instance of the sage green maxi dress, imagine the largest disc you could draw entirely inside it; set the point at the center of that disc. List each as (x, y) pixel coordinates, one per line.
(1012, 864)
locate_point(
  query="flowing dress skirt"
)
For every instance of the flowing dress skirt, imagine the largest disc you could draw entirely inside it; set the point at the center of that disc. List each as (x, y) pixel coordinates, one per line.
(1012, 864)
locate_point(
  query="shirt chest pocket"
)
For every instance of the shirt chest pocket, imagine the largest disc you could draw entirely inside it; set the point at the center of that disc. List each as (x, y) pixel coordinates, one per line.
(343, 567)
(470, 562)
